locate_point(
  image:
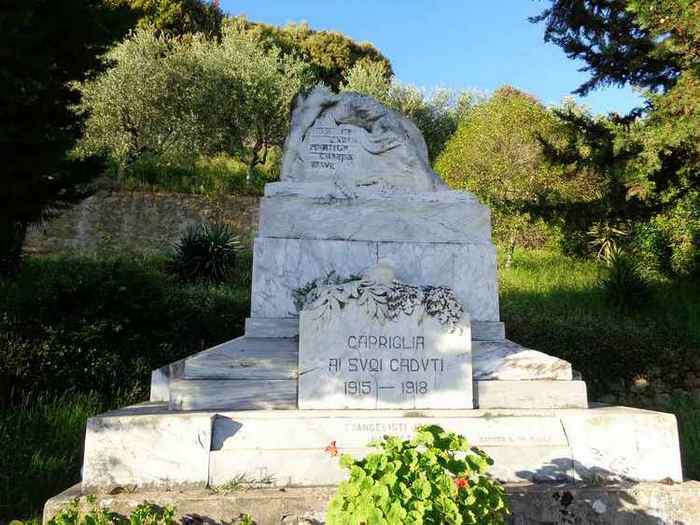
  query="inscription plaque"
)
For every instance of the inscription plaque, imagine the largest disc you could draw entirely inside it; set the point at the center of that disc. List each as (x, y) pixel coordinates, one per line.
(351, 359)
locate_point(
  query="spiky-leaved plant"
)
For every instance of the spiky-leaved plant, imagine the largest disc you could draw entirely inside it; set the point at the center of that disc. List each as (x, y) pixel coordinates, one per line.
(207, 252)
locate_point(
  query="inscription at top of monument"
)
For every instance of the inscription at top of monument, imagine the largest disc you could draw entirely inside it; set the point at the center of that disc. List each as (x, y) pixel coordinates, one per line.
(368, 344)
(352, 139)
(330, 148)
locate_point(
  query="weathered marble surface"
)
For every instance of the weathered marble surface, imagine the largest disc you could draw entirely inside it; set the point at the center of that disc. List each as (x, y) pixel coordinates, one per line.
(333, 213)
(526, 444)
(289, 327)
(146, 445)
(282, 265)
(353, 138)
(430, 369)
(245, 358)
(238, 394)
(146, 449)
(508, 361)
(624, 444)
(530, 394)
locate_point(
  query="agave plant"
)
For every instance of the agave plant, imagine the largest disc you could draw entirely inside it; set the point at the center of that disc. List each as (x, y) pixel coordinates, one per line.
(605, 238)
(206, 252)
(623, 283)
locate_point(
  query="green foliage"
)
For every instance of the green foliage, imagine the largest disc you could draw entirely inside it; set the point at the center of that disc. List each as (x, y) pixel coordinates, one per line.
(554, 303)
(623, 284)
(496, 153)
(70, 324)
(211, 175)
(436, 114)
(649, 161)
(607, 36)
(176, 17)
(207, 252)
(46, 435)
(245, 519)
(144, 514)
(433, 478)
(330, 55)
(43, 50)
(174, 99)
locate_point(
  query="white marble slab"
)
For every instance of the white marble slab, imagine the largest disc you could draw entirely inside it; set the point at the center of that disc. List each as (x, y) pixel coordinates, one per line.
(434, 216)
(233, 394)
(289, 327)
(348, 359)
(245, 358)
(282, 265)
(624, 443)
(146, 445)
(147, 450)
(530, 394)
(468, 269)
(508, 361)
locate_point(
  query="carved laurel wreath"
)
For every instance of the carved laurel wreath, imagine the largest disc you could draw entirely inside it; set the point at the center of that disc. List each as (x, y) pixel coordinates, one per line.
(383, 302)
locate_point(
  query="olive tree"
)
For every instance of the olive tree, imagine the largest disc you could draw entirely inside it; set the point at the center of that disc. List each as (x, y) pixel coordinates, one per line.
(257, 119)
(436, 114)
(177, 98)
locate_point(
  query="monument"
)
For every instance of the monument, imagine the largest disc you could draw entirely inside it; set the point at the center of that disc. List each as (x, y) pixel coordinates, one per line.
(374, 310)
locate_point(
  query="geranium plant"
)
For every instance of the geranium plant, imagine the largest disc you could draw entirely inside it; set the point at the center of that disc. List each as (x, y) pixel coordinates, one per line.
(434, 478)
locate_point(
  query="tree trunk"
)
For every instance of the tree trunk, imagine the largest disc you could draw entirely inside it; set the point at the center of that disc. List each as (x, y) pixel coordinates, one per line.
(250, 172)
(511, 249)
(12, 235)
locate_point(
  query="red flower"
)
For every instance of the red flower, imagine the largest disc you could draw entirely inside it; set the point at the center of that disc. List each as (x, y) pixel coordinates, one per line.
(332, 449)
(461, 482)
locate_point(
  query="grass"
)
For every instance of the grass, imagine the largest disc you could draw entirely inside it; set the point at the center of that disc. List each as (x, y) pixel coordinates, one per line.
(221, 174)
(554, 303)
(42, 450)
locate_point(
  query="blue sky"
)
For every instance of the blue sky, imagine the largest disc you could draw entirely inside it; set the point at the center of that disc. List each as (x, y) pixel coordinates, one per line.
(472, 44)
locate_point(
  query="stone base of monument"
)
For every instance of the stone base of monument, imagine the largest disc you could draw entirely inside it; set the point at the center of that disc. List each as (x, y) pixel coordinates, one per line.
(262, 373)
(616, 504)
(148, 446)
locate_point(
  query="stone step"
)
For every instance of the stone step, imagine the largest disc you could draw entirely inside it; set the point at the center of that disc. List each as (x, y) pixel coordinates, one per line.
(149, 446)
(530, 394)
(233, 394)
(246, 358)
(619, 504)
(273, 394)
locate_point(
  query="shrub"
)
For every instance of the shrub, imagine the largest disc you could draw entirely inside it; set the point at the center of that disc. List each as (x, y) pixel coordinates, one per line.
(11, 240)
(623, 284)
(75, 324)
(144, 514)
(433, 478)
(206, 252)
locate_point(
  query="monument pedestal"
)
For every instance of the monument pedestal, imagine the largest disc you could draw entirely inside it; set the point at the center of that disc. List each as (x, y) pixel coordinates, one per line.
(149, 446)
(417, 338)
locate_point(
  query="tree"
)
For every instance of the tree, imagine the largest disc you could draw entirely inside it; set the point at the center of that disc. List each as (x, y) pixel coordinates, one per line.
(269, 80)
(43, 50)
(330, 55)
(436, 115)
(173, 99)
(175, 17)
(616, 48)
(496, 154)
(651, 44)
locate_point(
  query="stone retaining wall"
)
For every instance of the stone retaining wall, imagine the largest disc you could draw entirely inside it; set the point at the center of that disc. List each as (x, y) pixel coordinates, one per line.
(138, 223)
(546, 504)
